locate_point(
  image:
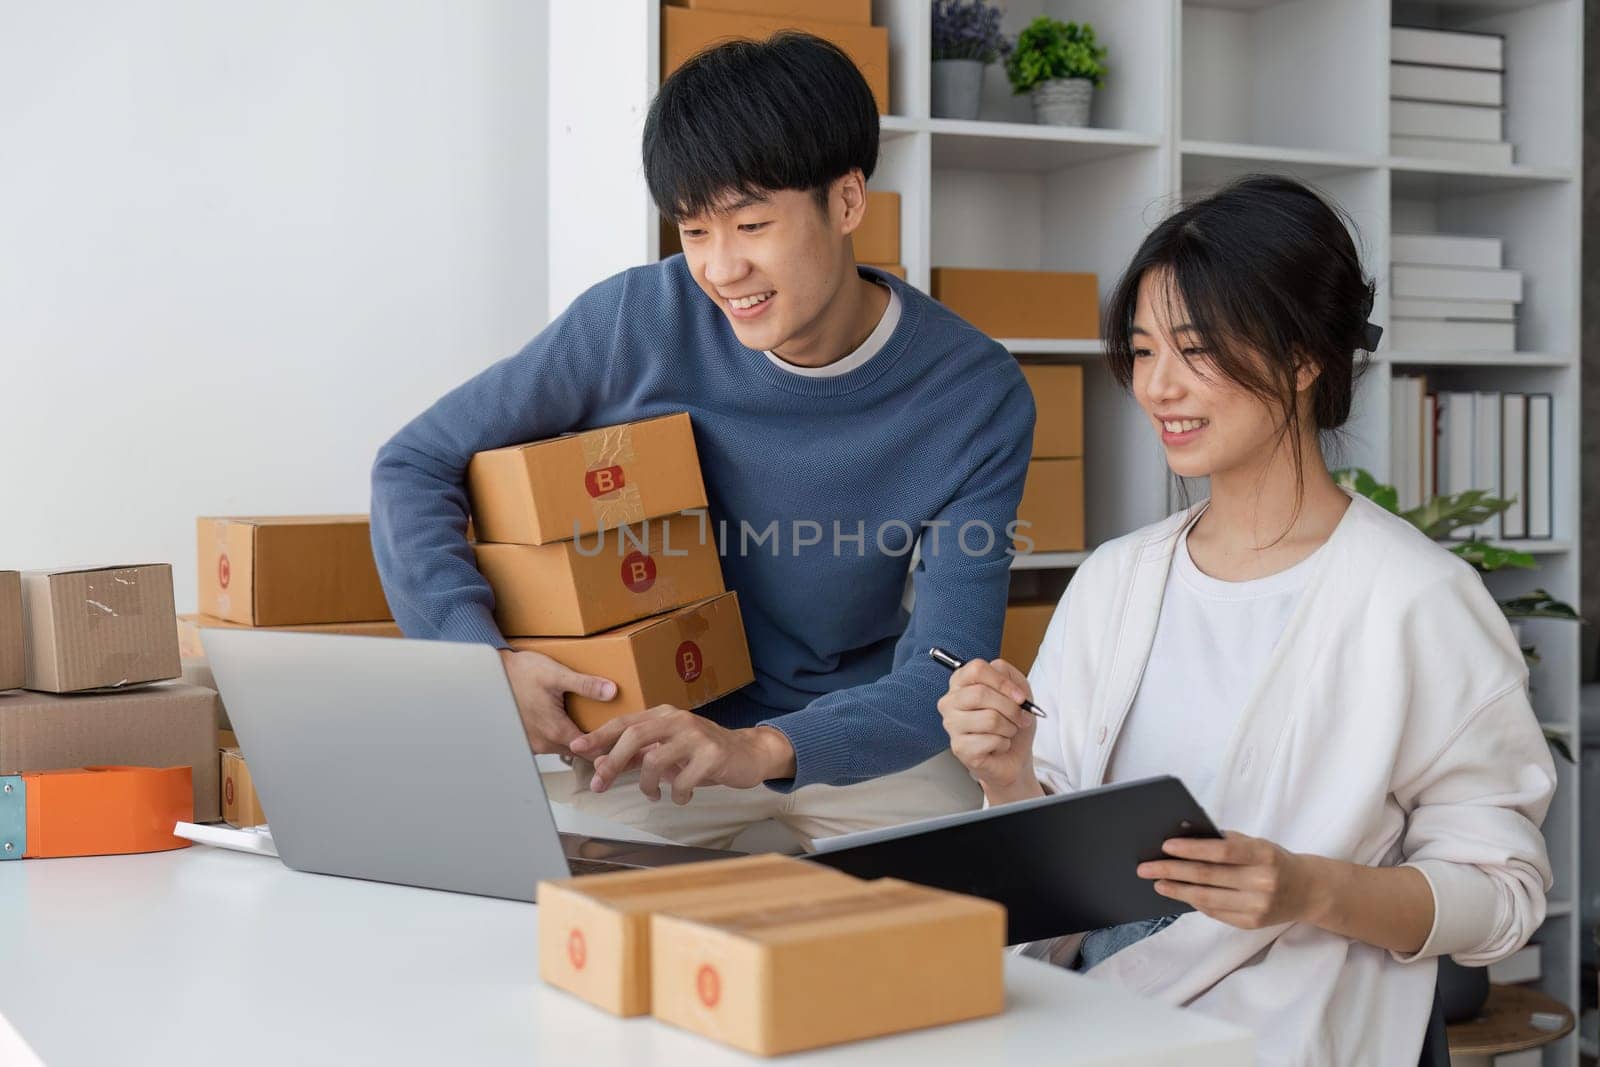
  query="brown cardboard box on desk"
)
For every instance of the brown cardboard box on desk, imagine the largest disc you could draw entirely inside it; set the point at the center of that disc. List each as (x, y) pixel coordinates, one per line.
(12, 665)
(686, 31)
(1052, 504)
(104, 627)
(1021, 303)
(289, 570)
(191, 647)
(164, 725)
(594, 931)
(686, 658)
(570, 486)
(603, 580)
(772, 978)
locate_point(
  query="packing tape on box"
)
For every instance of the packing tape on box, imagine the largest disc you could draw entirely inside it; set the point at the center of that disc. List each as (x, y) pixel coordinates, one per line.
(813, 910)
(94, 811)
(113, 594)
(604, 449)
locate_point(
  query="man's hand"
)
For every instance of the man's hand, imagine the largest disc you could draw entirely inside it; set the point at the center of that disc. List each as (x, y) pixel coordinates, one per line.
(685, 751)
(540, 685)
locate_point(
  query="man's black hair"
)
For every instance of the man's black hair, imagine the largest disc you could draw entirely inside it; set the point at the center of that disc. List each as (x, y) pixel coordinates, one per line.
(747, 118)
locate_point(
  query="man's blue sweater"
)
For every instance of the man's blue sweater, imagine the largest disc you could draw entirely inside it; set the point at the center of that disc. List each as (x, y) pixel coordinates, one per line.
(929, 437)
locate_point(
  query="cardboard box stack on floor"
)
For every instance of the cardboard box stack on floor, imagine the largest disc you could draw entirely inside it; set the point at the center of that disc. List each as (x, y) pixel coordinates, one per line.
(690, 26)
(302, 573)
(772, 954)
(598, 550)
(97, 647)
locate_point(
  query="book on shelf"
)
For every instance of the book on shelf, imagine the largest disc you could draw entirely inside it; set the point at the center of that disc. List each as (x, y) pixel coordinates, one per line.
(1457, 424)
(1481, 153)
(1453, 310)
(1461, 122)
(1446, 250)
(1486, 455)
(1442, 335)
(1513, 463)
(1539, 472)
(1456, 283)
(1446, 85)
(1446, 48)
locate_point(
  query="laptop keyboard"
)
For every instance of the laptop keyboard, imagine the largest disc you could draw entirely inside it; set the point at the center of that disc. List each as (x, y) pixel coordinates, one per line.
(597, 866)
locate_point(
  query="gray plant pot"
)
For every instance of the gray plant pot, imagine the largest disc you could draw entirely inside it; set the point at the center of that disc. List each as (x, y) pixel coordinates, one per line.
(1063, 102)
(957, 88)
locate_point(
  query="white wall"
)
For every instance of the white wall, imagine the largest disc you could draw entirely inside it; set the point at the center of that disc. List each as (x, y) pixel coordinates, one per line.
(241, 244)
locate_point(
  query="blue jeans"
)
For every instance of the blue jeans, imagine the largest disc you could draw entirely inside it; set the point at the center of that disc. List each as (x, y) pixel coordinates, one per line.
(1102, 944)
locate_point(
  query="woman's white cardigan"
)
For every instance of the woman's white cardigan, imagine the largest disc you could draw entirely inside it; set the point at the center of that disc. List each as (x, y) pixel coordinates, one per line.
(1391, 725)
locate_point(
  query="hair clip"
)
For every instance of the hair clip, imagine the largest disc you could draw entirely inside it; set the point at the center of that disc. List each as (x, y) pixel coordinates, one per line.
(1370, 336)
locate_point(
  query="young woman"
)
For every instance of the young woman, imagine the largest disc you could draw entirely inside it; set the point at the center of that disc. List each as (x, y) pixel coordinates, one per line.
(1342, 694)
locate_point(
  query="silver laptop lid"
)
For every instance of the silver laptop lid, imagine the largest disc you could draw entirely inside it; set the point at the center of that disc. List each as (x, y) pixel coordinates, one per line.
(387, 759)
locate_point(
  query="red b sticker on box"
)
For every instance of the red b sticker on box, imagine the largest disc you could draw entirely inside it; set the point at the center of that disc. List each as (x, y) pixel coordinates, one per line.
(224, 570)
(708, 983)
(689, 661)
(604, 481)
(638, 572)
(577, 950)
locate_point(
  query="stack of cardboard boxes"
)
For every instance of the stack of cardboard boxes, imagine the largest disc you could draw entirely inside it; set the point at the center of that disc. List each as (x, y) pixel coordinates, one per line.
(690, 26)
(771, 954)
(313, 573)
(91, 654)
(599, 552)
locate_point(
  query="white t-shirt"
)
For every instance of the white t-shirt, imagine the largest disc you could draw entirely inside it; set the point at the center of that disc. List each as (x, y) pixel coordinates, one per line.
(1212, 642)
(870, 347)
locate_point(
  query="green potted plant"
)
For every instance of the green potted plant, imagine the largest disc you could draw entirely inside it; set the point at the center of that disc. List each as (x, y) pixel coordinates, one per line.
(1441, 516)
(1060, 65)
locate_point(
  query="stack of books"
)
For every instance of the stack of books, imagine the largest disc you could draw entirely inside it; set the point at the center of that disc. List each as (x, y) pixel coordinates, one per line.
(1451, 442)
(1446, 92)
(1452, 293)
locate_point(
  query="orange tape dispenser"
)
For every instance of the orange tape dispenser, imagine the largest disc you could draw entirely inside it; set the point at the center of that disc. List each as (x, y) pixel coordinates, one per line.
(93, 811)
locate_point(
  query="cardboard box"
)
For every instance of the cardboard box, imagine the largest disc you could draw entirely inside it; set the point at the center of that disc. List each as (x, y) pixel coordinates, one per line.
(594, 931)
(1052, 502)
(897, 269)
(776, 978)
(1021, 303)
(1058, 403)
(685, 32)
(240, 805)
(600, 582)
(289, 570)
(856, 11)
(565, 487)
(877, 239)
(166, 725)
(12, 664)
(190, 645)
(686, 658)
(1024, 631)
(99, 628)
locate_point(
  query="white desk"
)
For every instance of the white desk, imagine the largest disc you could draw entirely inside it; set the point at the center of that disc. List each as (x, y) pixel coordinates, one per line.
(202, 956)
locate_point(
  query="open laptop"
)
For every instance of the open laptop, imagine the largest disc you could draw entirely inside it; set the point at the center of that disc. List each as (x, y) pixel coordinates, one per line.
(402, 761)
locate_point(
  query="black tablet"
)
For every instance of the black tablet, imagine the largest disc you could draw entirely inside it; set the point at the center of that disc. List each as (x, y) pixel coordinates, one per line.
(1060, 864)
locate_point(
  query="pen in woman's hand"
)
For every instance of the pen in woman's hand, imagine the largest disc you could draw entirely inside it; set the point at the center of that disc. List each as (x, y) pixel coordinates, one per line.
(954, 663)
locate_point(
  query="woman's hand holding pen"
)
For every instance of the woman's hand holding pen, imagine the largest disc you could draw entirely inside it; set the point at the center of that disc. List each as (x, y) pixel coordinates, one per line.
(990, 733)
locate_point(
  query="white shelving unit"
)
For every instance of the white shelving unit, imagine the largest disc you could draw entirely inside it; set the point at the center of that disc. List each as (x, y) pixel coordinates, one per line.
(1199, 92)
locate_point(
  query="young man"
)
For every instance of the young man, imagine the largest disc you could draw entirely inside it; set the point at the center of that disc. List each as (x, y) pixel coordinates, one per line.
(839, 415)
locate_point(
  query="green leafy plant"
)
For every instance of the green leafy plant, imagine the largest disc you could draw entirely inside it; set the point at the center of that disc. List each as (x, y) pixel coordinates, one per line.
(1442, 515)
(1049, 48)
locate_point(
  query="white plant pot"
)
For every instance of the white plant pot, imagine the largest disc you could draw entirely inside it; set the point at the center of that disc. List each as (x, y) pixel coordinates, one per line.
(1063, 102)
(957, 88)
